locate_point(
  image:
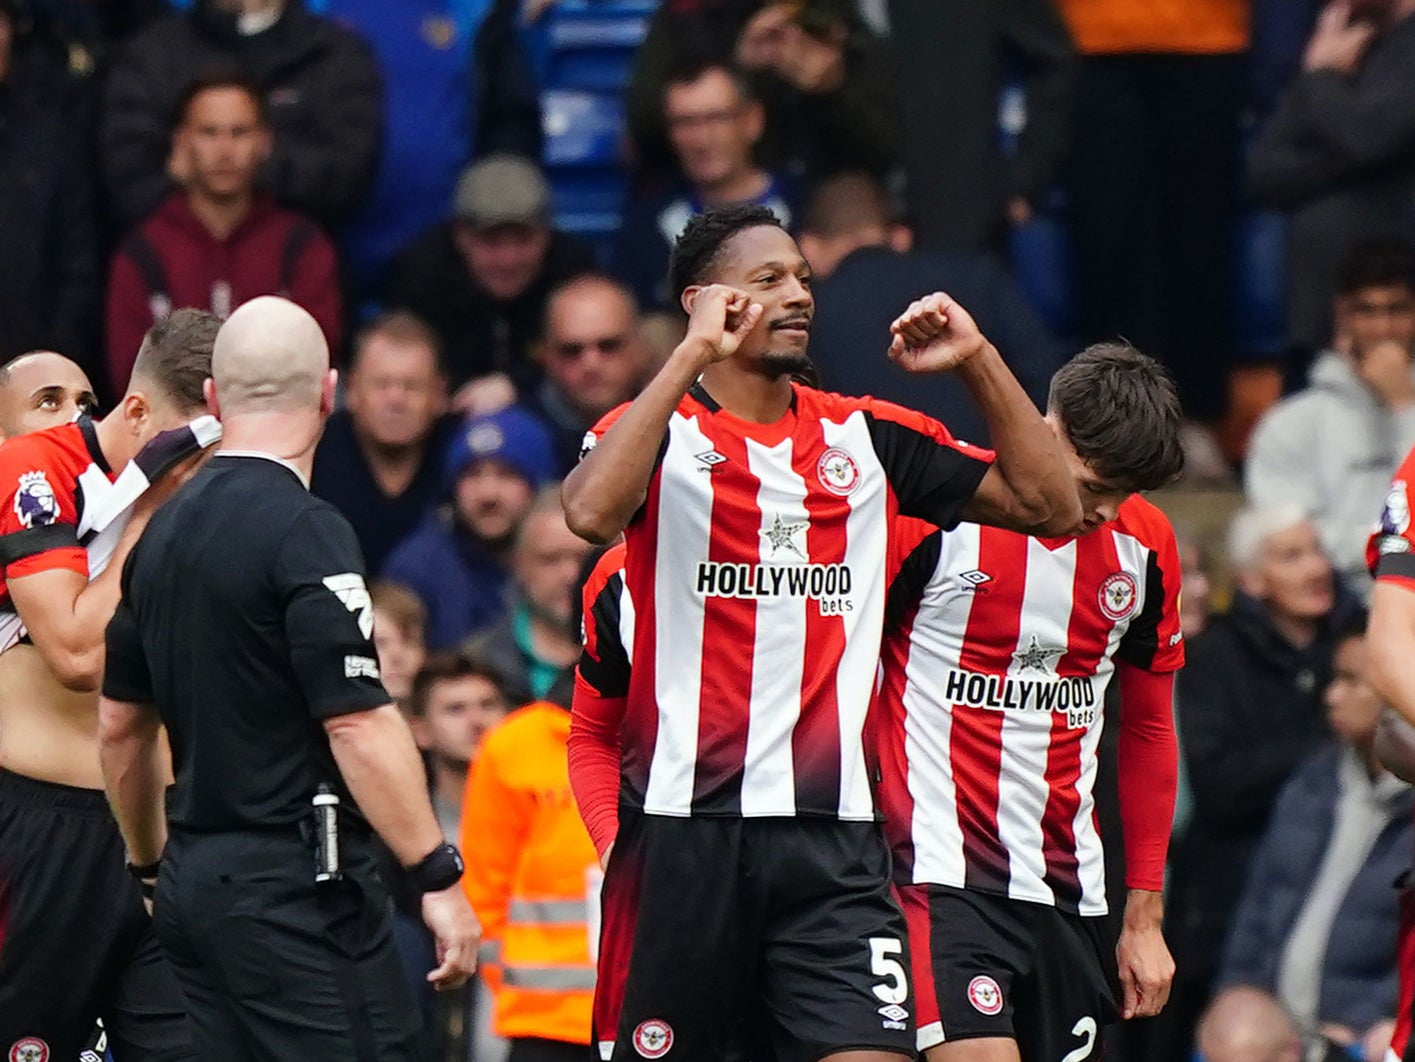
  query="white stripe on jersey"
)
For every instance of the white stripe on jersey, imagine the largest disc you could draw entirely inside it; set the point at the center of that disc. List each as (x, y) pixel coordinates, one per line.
(678, 675)
(768, 778)
(627, 619)
(928, 730)
(866, 546)
(1021, 803)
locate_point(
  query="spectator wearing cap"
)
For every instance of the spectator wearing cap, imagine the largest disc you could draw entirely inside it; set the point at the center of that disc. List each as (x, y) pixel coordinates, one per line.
(594, 357)
(321, 87)
(481, 279)
(457, 562)
(380, 459)
(218, 241)
(538, 637)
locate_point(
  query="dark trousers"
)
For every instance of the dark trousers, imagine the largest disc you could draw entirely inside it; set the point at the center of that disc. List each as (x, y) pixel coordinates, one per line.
(1153, 180)
(534, 1049)
(276, 968)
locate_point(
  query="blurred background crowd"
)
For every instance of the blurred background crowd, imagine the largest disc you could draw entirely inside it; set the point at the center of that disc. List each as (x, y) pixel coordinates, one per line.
(476, 199)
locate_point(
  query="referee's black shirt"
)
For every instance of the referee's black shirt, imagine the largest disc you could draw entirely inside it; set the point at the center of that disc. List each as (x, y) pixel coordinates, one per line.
(246, 621)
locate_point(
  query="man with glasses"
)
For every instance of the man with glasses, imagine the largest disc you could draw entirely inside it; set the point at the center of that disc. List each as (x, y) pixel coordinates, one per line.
(714, 122)
(594, 359)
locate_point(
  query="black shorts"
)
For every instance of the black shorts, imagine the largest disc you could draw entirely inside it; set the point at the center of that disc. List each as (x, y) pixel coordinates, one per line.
(275, 967)
(989, 966)
(76, 944)
(716, 926)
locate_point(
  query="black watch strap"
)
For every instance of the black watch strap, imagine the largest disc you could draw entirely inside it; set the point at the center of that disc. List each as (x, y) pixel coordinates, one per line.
(145, 871)
(439, 869)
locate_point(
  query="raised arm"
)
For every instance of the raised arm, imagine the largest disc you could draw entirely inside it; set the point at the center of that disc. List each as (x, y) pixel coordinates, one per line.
(609, 485)
(1029, 487)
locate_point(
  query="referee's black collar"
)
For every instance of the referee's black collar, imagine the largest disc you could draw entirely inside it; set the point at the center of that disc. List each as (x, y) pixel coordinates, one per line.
(287, 465)
(90, 434)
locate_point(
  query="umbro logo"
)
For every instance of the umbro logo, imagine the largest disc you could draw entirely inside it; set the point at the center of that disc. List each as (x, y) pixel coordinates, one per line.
(975, 578)
(710, 459)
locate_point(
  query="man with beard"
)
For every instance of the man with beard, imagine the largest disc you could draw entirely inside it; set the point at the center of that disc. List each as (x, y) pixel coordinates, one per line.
(757, 516)
(457, 561)
(537, 639)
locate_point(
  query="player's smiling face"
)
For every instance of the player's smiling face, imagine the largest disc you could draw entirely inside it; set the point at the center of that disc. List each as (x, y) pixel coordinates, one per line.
(766, 263)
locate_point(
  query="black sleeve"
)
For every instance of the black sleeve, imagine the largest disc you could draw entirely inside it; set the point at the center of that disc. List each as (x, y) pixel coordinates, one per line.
(329, 616)
(609, 674)
(907, 588)
(932, 479)
(1140, 644)
(126, 676)
(1397, 565)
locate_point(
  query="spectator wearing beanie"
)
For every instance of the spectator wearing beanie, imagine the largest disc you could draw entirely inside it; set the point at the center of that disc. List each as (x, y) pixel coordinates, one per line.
(457, 562)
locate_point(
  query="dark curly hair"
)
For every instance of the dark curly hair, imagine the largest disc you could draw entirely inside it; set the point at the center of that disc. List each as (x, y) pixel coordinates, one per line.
(699, 246)
(1120, 410)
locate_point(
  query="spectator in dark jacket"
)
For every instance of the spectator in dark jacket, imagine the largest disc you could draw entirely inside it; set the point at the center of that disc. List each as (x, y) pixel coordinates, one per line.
(962, 191)
(457, 562)
(714, 121)
(380, 460)
(321, 87)
(866, 276)
(217, 242)
(537, 639)
(594, 358)
(1318, 920)
(1339, 152)
(1250, 712)
(481, 280)
(49, 273)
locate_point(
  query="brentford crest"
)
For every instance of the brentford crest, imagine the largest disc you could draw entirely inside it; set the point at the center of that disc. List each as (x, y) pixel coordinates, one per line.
(985, 995)
(1117, 595)
(30, 1049)
(838, 471)
(653, 1038)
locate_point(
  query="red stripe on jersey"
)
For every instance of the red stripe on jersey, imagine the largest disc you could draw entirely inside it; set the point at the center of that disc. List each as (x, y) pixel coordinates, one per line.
(641, 711)
(726, 689)
(815, 741)
(975, 747)
(1086, 642)
(886, 735)
(914, 902)
(1405, 964)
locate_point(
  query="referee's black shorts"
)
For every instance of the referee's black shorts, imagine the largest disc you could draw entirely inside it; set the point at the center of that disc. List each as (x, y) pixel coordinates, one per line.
(276, 968)
(75, 942)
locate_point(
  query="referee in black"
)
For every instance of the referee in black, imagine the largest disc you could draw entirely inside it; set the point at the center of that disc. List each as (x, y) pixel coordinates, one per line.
(245, 628)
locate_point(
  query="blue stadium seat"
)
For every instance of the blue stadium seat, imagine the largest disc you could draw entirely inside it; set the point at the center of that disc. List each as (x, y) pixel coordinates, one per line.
(1259, 284)
(581, 128)
(588, 44)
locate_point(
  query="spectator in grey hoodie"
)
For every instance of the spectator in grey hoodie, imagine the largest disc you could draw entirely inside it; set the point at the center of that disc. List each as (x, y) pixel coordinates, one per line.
(1333, 447)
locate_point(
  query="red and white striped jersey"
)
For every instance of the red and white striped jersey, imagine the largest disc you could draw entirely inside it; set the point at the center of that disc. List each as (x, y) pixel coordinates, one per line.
(997, 653)
(756, 568)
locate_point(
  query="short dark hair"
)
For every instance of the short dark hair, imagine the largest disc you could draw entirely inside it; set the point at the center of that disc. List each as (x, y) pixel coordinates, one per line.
(1377, 264)
(220, 77)
(1120, 410)
(693, 66)
(846, 203)
(175, 356)
(699, 246)
(449, 667)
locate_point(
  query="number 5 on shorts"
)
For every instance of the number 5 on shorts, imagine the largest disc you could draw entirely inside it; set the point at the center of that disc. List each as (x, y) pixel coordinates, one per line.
(895, 986)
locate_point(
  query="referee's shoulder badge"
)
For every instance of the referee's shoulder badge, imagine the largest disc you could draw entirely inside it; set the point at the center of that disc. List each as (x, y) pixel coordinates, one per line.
(35, 502)
(349, 588)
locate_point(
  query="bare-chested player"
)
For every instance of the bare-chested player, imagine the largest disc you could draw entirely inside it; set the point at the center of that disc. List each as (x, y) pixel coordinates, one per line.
(75, 942)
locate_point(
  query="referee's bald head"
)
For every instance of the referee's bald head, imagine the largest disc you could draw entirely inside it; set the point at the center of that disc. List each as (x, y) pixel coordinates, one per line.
(270, 356)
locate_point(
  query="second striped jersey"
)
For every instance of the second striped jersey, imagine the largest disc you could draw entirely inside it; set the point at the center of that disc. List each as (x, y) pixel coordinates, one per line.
(993, 677)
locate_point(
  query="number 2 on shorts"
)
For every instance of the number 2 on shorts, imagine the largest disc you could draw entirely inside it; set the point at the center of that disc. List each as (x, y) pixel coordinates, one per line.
(1085, 1027)
(895, 986)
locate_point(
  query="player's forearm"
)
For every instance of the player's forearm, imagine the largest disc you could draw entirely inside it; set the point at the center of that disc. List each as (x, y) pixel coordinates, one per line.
(1030, 458)
(1148, 773)
(379, 762)
(76, 658)
(602, 493)
(131, 755)
(594, 759)
(1144, 910)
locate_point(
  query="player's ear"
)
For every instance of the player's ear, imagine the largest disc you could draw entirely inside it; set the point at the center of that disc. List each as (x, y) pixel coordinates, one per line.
(689, 297)
(208, 391)
(136, 412)
(327, 391)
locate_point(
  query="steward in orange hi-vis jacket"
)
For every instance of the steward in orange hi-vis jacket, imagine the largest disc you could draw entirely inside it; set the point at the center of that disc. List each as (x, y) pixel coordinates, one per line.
(533, 878)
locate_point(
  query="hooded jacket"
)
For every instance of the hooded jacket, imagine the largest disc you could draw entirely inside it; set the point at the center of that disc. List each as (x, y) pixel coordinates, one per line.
(322, 89)
(1332, 449)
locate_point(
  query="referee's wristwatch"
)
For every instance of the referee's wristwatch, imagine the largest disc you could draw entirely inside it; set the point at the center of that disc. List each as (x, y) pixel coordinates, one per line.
(439, 869)
(146, 875)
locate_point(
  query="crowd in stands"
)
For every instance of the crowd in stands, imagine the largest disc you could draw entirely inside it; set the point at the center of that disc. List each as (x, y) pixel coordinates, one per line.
(1229, 184)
